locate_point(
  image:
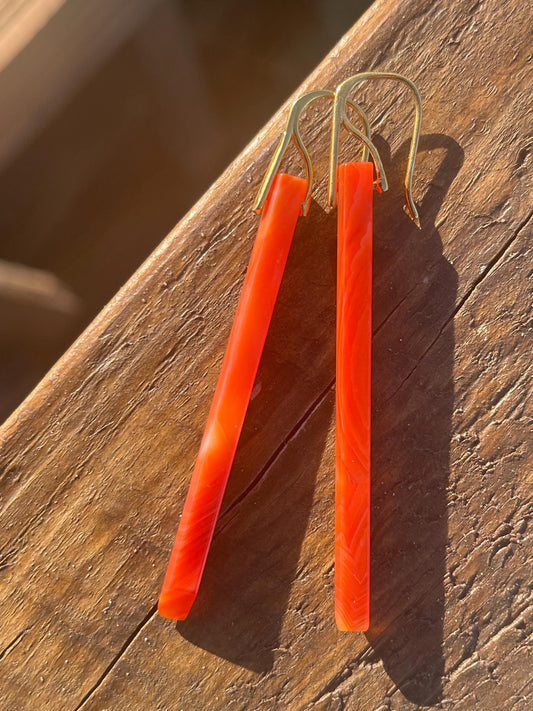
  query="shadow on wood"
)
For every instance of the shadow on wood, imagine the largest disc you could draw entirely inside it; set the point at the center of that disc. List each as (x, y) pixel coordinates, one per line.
(412, 426)
(254, 557)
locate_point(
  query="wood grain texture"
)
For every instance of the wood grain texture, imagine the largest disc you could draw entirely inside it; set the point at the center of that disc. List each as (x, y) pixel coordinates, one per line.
(96, 462)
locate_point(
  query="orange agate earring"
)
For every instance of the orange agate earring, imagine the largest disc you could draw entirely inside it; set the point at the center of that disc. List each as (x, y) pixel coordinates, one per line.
(352, 184)
(281, 199)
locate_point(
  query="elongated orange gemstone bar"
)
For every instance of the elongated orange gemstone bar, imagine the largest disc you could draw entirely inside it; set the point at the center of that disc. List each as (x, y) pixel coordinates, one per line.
(354, 339)
(232, 395)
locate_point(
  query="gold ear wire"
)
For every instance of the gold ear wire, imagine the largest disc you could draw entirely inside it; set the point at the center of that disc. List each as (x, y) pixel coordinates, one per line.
(340, 118)
(292, 132)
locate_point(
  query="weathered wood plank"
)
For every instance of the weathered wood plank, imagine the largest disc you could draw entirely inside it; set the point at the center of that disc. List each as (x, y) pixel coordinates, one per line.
(96, 462)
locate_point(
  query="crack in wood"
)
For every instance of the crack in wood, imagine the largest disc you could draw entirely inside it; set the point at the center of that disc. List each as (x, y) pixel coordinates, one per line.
(138, 629)
(11, 645)
(468, 293)
(277, 452)
(367, 657)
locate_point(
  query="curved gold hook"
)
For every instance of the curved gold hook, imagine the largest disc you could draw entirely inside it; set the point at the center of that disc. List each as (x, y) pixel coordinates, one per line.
(292, 132)
(339, 118)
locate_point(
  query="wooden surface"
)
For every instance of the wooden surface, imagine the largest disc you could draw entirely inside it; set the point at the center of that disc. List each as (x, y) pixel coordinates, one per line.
(96, 462)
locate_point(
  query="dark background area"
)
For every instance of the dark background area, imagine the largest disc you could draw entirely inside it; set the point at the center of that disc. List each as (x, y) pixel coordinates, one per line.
(115, 117)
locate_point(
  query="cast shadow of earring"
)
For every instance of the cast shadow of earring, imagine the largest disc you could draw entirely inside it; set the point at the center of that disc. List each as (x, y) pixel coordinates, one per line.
(254, 556)
(412, 406)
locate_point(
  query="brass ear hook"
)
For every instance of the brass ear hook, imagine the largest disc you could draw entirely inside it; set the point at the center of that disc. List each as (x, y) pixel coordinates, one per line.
(292, 131)
(340, 118)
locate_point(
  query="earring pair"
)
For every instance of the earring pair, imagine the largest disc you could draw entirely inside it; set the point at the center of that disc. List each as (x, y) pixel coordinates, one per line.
(282, 198)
